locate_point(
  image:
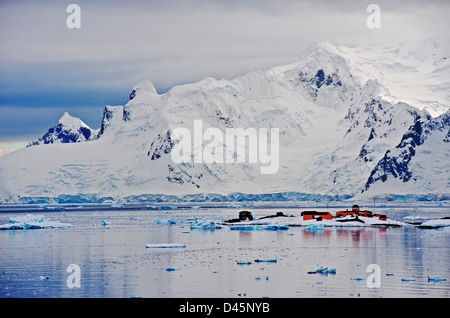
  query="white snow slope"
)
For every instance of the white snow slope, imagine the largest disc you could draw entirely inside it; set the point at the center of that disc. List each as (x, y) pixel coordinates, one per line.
(358, 121)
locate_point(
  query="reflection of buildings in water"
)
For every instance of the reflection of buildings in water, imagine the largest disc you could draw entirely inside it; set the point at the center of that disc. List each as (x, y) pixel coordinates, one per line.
(327, 234)
(361, 237)
(245, 237)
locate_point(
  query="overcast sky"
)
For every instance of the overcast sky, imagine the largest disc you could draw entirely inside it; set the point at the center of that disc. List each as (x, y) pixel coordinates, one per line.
(47, 68)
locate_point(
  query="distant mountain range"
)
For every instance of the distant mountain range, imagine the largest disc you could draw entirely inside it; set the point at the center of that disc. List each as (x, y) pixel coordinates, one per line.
(364, 122)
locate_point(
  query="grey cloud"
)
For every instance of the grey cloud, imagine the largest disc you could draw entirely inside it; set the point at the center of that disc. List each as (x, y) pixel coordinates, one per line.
(172, 42)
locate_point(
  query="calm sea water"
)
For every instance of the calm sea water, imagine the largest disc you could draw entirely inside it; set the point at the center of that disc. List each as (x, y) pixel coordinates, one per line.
(114, 260)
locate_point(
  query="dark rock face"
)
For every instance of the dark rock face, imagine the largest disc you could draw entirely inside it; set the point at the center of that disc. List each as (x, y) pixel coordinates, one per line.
(163, 144)
(395, 163)
(68, 130)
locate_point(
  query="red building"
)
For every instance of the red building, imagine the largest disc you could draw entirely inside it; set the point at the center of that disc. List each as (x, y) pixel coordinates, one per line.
(356, 211)
(310, 215)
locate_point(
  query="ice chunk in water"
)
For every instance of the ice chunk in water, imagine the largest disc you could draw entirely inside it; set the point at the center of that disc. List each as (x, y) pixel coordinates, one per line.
(258, 227)
(435, 279)
(266, 260)
(244, 262)
(205, 226)
(315, 228)
(29, 218)
(31, 221)
(323, 271)
(165, 245)
(169, 221)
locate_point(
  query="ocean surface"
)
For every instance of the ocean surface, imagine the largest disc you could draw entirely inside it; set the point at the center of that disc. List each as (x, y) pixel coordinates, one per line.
(108, 245)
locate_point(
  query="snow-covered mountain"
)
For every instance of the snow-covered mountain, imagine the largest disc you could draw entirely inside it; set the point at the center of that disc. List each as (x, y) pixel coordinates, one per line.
(68, 130)
(361, 121)
(421, 159)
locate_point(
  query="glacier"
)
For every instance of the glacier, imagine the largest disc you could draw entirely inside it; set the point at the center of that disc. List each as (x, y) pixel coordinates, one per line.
(32, 221)
(354, 123)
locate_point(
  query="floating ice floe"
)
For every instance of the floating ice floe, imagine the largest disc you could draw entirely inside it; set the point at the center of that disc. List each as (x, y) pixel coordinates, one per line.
(244, 262)
(435, 279)
(205, 225)
(411, 219)
(315, 228)
(165, 245)
(323, 271)
(436, 223)
(250, 227)
(266, 260)
(169, 221)
(31, 221)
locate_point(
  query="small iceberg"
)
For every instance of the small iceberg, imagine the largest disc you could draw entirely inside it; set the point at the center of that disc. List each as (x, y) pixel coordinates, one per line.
(236, 206)
(436, 223)
(266, 260)
(165, 245)
(411, 219)
(324, 271)
(435, 279)
(244, 262)
(31, 221)
(258, 227)
(169, 221)
(315, 228)
(205, 226)
(161, 207)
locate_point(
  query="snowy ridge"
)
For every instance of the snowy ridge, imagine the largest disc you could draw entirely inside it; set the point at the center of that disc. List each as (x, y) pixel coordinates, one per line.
(345, 131)
(413, 73)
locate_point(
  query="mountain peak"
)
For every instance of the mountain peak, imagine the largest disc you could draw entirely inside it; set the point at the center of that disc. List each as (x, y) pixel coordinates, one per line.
(145, 87)
(71, 123)
(68, 130)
